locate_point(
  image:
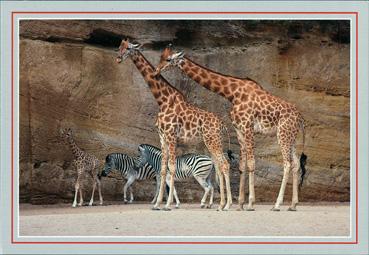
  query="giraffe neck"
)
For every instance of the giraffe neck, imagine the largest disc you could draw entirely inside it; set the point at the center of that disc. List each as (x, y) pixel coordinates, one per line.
(209, 79)
(160, 88)
(75, 149)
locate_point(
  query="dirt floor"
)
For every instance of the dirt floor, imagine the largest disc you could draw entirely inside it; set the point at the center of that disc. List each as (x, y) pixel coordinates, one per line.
(189, 220)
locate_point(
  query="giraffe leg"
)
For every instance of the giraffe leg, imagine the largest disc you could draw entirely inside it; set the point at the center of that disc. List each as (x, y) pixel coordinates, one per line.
(163, 173)
(93, 193)
(80, 196)
(250, 144)
(221, 184)
(225, 170)
(295, 168)
(211, 197)
(286, 154)
(172, 171)
(76, 186)
(176, 197)
(242, 169)
(99, 188)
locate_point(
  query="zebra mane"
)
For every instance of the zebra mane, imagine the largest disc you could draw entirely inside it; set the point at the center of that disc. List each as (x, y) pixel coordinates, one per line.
(150, 146)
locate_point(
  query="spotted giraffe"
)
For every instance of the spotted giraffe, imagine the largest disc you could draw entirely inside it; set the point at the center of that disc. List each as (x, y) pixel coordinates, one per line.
(254, 110)
(179, 121)
(85, 164)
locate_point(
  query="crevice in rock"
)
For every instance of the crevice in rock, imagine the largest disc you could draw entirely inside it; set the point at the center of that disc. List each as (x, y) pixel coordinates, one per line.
(105, 38)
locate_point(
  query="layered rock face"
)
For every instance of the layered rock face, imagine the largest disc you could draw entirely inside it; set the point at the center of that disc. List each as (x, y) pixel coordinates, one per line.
(69, 78)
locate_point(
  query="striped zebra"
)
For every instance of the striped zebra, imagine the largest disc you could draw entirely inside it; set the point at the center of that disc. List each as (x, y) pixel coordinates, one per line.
(127, 166)
(200, 167)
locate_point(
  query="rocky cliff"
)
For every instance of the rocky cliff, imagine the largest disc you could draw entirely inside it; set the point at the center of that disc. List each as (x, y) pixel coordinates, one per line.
(69, 78)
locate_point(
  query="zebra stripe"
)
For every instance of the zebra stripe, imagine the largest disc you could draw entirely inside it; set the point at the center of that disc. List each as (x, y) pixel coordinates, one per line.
(189, 165)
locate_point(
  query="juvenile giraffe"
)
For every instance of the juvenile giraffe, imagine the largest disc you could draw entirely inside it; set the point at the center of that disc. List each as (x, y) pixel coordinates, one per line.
(85, 164)
(179, 121)
(254, 110)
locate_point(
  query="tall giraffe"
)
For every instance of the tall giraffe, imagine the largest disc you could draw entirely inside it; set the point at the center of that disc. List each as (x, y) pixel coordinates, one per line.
(254, 110)
(85, 164)
(179, 121)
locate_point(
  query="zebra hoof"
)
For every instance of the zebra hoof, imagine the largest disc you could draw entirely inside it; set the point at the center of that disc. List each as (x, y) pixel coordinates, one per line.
(155, 208)
(275, 209)
(291, 209)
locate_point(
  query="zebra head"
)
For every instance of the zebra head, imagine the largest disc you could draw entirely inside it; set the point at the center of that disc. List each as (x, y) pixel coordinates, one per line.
(144, 156)
(108, 166)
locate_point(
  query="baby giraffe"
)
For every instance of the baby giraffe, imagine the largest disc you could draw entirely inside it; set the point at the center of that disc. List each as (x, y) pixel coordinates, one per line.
(84, 163)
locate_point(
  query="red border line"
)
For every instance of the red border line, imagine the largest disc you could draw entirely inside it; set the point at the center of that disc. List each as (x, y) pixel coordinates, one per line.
(151, 242)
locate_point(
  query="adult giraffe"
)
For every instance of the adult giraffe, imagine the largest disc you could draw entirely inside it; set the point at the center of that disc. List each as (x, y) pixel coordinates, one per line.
(254, 110)
(179, 121)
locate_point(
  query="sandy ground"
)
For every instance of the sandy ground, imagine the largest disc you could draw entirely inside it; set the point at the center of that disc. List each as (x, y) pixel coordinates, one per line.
(190, 220)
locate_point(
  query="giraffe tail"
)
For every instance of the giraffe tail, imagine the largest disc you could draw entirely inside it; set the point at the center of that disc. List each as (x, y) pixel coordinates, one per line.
(303, 157)
(229, 151)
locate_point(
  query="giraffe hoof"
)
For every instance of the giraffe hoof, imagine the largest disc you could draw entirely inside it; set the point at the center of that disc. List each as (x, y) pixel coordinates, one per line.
(275, 209)
(74, 206)
(177, 207)
(125, 201)
(291, 209)
(250, 209)
(155, 208)
(130, 202)
(202, 206)
(220, 208)
(90, 204)
(166, 209)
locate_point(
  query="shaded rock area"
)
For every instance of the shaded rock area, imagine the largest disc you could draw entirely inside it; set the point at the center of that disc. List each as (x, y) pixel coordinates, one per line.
(69, 78)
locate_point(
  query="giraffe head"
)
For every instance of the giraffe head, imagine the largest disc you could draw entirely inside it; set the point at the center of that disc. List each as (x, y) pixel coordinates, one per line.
(126, 49)
(169, 58)
(66, 133)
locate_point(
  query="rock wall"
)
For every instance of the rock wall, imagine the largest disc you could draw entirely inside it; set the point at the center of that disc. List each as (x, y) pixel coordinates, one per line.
(69, 78)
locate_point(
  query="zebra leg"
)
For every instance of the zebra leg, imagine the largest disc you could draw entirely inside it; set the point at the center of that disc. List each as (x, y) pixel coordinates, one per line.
(204, 185)
(131, 193)
(157, 189)
(130, 180)
(172, 170)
